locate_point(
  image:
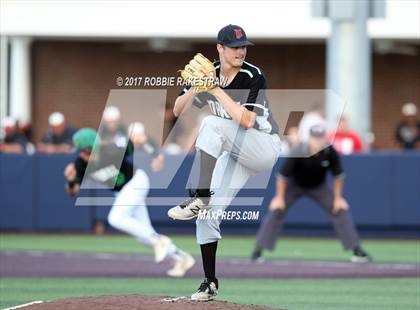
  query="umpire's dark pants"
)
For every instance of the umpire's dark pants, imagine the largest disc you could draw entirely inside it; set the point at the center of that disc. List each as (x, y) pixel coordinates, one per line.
(323, 195)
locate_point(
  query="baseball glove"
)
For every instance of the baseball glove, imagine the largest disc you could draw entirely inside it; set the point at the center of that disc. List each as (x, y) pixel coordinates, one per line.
(200, 74)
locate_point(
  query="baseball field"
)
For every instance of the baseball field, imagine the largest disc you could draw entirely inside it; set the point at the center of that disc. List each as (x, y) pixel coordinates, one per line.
(113, 270)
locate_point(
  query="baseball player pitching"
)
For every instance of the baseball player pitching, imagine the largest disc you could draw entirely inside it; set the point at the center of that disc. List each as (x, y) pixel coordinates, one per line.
(129, 212)
(239, 140)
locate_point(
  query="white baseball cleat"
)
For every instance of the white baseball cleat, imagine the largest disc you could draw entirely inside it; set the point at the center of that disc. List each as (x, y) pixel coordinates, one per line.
(206, 292)
(360, 259)
(189, 209)
(161, 248)
(360, 256)
(181, 266)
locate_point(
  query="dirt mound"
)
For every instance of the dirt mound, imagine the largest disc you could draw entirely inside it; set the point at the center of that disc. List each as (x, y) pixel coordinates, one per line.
(139, 302)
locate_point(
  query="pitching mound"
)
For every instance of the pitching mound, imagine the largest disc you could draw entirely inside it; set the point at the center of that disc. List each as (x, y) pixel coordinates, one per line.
(140, 302)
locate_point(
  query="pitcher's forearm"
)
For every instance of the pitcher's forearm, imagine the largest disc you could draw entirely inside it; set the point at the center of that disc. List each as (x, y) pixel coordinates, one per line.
(183, 102)
(241, 115)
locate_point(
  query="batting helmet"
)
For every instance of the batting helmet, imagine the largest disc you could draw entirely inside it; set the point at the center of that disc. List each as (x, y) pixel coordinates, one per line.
(85, 138)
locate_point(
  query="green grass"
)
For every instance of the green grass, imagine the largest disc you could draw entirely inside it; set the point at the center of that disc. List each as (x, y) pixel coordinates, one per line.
(383, 294)
(287, 248)
(290, 294)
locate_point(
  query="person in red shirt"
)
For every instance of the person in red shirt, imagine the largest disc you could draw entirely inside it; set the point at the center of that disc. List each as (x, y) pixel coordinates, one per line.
(345, 140)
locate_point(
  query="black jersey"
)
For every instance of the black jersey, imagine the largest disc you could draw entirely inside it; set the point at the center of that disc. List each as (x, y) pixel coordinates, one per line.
(247, 88)
(408, 136)
(105, 169)
(310, 172)
(64, 138)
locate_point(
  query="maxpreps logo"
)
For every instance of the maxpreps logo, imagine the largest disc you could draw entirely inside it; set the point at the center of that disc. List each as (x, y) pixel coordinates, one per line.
(228, 215)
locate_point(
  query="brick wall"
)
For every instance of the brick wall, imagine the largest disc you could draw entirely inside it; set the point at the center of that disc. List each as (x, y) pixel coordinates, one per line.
(75, 77)
(395, 81)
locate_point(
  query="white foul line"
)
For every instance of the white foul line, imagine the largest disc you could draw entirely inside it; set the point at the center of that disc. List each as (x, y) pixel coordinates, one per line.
(25, 305)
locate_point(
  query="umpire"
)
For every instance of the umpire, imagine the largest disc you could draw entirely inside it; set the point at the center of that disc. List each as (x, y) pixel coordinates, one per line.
(306, 176)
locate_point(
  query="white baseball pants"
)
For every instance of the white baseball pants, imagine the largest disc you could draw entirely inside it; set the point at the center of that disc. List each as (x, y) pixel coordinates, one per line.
(129, 212)
(240, 154)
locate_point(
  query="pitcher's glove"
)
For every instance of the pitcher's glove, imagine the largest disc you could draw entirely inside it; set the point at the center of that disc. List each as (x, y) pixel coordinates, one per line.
(200, 74)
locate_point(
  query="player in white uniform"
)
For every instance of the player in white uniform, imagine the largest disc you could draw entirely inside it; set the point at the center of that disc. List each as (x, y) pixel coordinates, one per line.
(129, 212)
(238, 141)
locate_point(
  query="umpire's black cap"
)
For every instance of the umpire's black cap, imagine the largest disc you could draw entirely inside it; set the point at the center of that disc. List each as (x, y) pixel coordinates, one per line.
(233, 36)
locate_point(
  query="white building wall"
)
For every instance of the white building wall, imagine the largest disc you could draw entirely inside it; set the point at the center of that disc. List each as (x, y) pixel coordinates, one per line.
(189, 19)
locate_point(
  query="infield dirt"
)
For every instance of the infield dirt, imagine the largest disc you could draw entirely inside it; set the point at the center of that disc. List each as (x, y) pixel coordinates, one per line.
(139, 302)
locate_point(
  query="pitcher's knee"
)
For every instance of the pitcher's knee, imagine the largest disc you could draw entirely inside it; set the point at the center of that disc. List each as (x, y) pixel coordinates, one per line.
(207, 231)
(204, 239)
(209, 120)
(210, 123)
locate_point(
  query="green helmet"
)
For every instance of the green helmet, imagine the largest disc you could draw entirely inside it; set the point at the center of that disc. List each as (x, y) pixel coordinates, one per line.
(85, 139)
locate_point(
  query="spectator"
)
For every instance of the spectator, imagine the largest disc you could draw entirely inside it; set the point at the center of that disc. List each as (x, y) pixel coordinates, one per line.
(142, 143)
(58, 138)
(407, 133)
(345, 140)
(26, 129)
(293, 136)
(113, 131)
(13, 140)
